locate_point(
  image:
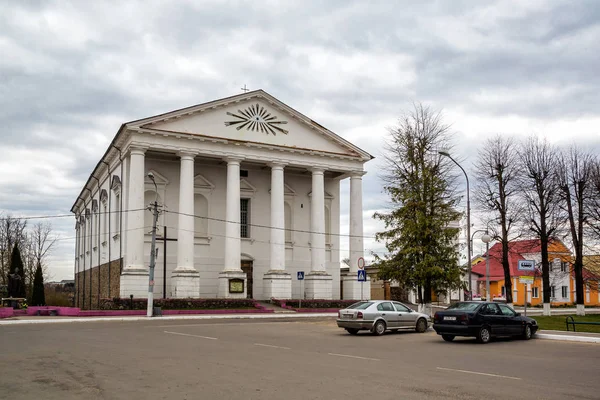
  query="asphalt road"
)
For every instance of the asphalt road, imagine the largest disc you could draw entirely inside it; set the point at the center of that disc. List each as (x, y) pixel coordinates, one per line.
(258, 359)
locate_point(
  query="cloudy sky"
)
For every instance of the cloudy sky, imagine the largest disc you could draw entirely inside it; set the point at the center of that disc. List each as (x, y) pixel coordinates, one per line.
(72, 72)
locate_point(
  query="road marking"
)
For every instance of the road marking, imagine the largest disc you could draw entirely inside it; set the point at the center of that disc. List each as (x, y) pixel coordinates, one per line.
(270, 345)
(219, 324)
(361, 358)
(187, 334)
(479, 373)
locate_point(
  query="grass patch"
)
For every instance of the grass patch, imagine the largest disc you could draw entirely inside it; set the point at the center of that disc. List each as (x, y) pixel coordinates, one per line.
(557, 323)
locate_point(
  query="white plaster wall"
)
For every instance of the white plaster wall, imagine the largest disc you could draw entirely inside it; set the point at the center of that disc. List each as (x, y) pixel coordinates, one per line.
(209, 254)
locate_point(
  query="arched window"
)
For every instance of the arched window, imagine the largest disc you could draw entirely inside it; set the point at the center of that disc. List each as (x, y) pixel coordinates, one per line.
(288, 222)
(200, 216)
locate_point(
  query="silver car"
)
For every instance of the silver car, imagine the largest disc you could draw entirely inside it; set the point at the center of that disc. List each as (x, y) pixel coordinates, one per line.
(378, 316)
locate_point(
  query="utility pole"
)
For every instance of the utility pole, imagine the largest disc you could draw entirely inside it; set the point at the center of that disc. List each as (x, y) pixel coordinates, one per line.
(150, 311)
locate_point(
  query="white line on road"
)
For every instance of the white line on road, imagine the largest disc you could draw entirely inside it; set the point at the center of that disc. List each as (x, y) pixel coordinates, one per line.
(479, 373)
(270, 345)
(187, 334)
(361, 358)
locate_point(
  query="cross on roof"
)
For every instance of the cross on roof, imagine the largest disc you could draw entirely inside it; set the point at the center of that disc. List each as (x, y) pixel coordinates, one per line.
(245, 89)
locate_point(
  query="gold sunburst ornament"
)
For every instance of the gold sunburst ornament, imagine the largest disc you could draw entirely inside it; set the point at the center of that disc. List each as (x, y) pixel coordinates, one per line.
(256, 118)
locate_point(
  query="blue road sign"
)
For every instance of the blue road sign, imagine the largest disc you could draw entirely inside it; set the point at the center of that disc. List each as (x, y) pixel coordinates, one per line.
(300, 275)
(362, 275)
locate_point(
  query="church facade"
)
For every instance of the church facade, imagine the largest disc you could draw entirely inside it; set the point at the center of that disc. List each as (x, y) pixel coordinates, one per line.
(248, 192)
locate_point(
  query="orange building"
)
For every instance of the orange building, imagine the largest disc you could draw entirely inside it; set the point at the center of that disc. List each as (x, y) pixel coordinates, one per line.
(562, 278)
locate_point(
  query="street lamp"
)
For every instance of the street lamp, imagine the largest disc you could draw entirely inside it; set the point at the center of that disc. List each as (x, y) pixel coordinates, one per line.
(487, 239)
(150, 310)
(447, 154)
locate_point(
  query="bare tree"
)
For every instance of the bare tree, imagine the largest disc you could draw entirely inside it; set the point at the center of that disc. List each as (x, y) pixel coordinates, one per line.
(575, 181)
(538, 185)
(593, 206)
(496, 191)
(12, 230)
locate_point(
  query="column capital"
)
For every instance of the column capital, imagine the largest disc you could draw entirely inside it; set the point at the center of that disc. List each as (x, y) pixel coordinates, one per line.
(137, 149)
(233, 159)
(186, 155)
(277, 165)
(317, 170)
(357, 174)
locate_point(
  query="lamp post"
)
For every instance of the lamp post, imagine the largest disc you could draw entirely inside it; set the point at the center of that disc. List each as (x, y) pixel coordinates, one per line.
(447, 154)
(150, 310)
(487, 239)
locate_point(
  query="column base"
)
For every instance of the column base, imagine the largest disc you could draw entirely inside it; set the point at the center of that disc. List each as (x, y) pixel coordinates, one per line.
(185, 284)
(134, 281)
(232, 285)
(318, 285)
(355, 290)
(277, 285)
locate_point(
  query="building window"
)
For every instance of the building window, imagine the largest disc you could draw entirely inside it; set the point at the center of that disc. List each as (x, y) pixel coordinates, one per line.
(117, 214)
(245, 218)
(503, 291)
(553, 292)
(104, 223)
(564, 266)
(288, 222)
(201, 216)
(327, 225)
(565, 292)
(534, 292)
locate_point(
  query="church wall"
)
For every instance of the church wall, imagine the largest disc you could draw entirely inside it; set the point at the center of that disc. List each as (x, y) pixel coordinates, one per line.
(209, 252)
(95, 289)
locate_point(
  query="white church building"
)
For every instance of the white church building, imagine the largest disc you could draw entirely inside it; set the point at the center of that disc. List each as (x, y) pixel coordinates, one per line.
(249, 195)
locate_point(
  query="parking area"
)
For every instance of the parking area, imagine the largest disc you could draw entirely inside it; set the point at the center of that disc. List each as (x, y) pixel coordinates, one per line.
(291, 359)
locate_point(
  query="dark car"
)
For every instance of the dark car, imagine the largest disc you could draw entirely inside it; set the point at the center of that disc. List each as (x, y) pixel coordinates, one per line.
(482, 320)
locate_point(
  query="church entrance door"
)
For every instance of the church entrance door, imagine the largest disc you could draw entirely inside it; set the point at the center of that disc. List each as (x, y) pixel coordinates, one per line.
(247, 268)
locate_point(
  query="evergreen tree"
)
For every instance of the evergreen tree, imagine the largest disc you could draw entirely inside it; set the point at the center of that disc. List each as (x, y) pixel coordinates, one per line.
(419, 236)
(16, 262)
(38, 297)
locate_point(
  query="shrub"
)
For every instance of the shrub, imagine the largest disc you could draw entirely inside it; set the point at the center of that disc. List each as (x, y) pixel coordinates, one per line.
(176, 304)
(339, 304)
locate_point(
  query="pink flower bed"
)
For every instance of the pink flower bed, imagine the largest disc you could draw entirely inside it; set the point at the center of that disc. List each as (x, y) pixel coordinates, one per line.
(6, 312)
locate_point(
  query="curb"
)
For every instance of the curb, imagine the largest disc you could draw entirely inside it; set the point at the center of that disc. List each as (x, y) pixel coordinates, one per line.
(164, 318)
(568, 338)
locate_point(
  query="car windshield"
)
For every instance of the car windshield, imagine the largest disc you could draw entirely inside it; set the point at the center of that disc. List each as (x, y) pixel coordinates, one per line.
(463, 306)
(360, 305)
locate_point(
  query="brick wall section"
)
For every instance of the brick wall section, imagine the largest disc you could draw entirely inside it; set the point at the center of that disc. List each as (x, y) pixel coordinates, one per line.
(91, 288)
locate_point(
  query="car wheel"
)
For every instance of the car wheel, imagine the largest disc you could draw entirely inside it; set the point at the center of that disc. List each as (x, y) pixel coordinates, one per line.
(352, 331)
(379, 328)
(484, 335)
(448, 338)
(421, 326)
(527, 332)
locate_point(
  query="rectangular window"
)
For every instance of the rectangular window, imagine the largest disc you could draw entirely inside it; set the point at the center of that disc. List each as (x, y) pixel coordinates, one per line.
(565, 292)
(564, 266)
(245, 218)
(503, 291)
(534, 292)
(552, 291)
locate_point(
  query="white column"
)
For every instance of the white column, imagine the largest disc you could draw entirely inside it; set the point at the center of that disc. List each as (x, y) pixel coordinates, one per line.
(185, 227)
(134, 278)
(277, 219)
(317, 221)
(319, 284)
(276, 282)
(356, 221)
(135, 211)
(232, 269)
(354, 290)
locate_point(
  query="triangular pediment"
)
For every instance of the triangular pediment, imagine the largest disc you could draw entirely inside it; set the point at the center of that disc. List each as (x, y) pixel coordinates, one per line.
(327, 195)
(287, 191)
(246, 187)
(160, 179)
(201, 182)
(254, 117)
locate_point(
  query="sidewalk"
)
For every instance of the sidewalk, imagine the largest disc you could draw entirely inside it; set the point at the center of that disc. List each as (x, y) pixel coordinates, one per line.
(586, 337)
(56, 320)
